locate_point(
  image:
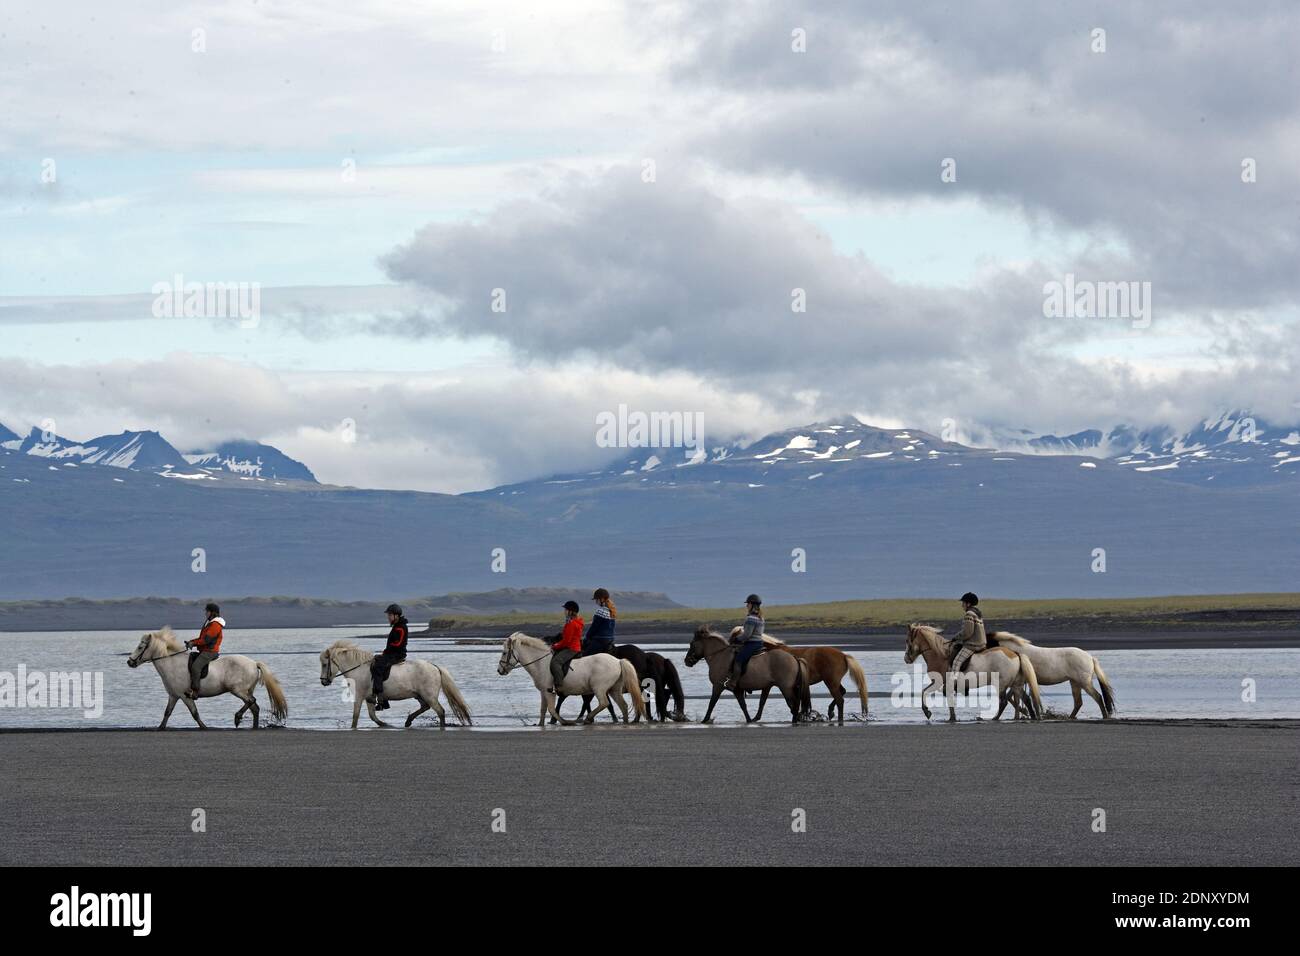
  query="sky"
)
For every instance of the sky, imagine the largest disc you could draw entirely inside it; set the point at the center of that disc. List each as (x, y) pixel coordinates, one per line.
(473, 227)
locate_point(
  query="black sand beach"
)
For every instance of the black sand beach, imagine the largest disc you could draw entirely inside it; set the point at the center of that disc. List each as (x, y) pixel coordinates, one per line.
(1174, 793)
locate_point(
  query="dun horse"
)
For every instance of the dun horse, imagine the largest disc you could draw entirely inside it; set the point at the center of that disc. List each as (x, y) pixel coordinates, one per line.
(1008, 671)
(826, 665)
(765, 669)
(228, 674)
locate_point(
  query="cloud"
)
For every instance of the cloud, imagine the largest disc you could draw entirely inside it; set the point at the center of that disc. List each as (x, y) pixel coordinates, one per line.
(1142, 143)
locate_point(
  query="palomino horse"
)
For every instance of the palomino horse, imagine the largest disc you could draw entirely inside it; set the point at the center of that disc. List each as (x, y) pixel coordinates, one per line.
(826, 665)
(423, 680)
(1056, 665)
(766, 669)
(1006, 670)
(228, 674)
(656, 674)
(598, 674)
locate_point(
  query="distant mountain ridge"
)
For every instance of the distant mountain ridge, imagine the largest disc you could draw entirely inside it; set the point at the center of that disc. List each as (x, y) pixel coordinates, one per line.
(149, 451)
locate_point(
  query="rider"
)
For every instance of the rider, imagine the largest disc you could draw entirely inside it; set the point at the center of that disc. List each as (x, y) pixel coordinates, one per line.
(750, 640)
(600, 633)
(394, 653)
(207, 647)
(566, 645)
(972, 638)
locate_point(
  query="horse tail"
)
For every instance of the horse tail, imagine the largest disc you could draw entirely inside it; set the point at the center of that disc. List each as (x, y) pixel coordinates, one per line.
(1107, 692)
(674, 683)
(801, 690)
(1031, 677)
(859, 678)
(458, 705)
(279, 706)
(632, 685)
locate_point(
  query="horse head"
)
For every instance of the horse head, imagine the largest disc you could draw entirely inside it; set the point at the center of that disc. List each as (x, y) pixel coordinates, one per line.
(913, 648)
(696, 651)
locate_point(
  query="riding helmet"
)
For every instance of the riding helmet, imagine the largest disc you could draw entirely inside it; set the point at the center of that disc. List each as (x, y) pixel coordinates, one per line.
(969, 598)
(212, 606)
(754, 599)
(572, 606)
(600, 594)
(393, 609)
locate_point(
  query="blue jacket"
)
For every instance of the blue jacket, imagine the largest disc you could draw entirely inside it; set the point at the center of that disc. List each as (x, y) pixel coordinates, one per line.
(600, 632)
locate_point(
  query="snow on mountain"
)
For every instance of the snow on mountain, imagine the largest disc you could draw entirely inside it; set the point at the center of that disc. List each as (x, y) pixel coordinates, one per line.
(1234, 447)
(149, 451)
(250, 459)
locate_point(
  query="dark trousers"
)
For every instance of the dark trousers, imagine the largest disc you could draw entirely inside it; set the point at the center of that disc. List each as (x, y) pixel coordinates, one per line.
(597, 645)
(379, 668)
(559, 661)
(741, 660)
(198, 664)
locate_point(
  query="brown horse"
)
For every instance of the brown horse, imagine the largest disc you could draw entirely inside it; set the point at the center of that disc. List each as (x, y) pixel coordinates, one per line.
(765, 669)
(826, 665)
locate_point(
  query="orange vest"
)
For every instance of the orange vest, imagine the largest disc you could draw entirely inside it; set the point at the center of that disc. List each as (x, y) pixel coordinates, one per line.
(210, 636)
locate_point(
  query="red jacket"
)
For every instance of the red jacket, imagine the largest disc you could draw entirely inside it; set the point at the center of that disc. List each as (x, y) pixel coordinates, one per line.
(210, 635)
(570, 637)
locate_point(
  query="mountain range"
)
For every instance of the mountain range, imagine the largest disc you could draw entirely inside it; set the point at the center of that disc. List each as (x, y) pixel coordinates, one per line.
(832, 510)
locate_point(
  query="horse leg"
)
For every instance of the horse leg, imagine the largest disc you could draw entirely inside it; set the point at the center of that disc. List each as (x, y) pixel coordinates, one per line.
(762, 701)
(194, 712)
(602, 702)
(622, 706)
(837, 698)
(1078, 699)
(167, 712)
(925, 690)
(424, 705)
(356, 708)
(740, 699)
(370, 709)
(541, 719)
(1088, 689)
(713, 702)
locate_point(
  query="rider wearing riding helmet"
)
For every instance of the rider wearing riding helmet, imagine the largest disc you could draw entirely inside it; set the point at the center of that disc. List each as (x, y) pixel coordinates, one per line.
(600, 633)
(394, 653)
(207, 647)
(972, 638)
(750, 640)
(566, 645)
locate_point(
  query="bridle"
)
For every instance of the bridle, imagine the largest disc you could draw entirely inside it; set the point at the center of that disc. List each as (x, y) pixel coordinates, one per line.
(726, 646)
(510, 657)
(329, 659)
(134, 661)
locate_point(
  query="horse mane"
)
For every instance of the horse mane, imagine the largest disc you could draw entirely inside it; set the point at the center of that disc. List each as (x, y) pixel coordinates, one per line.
(341, 645)
(771, 641)
(931, 635)
(526, 641)
(705, 631)
(168, 639)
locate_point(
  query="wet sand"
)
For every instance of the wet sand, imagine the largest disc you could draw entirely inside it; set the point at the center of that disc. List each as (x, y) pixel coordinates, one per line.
(1173, 792)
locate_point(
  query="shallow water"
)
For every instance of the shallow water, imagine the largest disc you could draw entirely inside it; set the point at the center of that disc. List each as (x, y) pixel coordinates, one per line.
(1148, 683)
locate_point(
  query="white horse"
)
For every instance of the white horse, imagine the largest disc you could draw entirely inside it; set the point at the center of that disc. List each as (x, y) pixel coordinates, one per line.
(1008, 671)
(423, 680)
(1056, 665)
(228, 674)
(598, 674)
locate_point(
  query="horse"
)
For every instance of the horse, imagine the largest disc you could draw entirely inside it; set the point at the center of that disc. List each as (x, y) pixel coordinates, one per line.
(786, 671)
(826, 665)
(1056, 665)
(598, 674)
(228, 674)
(1008, 670)
(652, 667)
(423, 680)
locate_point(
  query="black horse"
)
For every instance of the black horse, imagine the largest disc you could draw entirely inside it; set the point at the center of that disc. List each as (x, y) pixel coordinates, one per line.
(652, 667)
